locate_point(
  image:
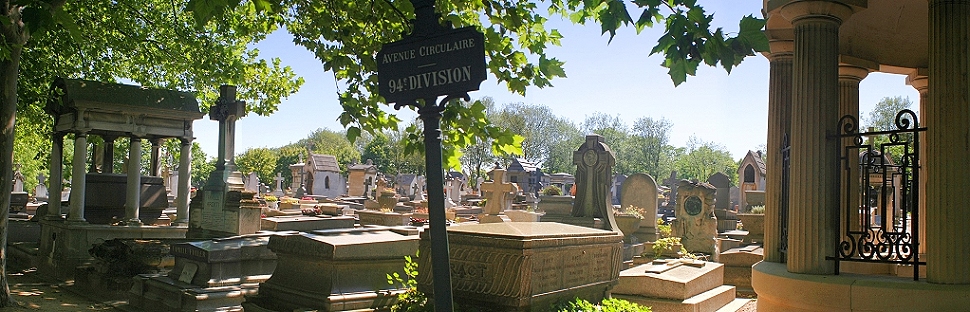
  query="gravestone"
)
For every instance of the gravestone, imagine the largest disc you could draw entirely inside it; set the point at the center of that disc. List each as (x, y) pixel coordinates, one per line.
(526, 266)
(727, 218)
(336, 270)
(40, 191)
(278, 192)
(617, 188)
(640, 190)
(419, 188)
(594, 175)
(18, 180)
(251, 183)
(499, 194)
(696, 224)
(455, 190)
(222, 213)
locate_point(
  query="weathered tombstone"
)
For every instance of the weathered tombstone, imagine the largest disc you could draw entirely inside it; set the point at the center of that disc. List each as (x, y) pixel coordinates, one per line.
(499, 195)
(337, 270)
(455, 190)
(640, 190)
(419, 188)
(594, 171)
(727, 219)
(251, 183)
(227, 210)
(18, 180)
(279, 185)
(40, 191)
(616, 188)
(696, 224)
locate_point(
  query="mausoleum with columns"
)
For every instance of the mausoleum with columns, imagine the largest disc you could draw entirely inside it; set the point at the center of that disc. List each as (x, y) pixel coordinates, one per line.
(820, 52)
(104, 204)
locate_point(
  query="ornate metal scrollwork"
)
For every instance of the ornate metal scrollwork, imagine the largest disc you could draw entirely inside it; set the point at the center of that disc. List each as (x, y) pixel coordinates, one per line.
(885, 227)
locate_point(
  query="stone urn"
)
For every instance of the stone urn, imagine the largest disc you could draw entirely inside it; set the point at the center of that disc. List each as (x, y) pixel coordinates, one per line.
(387, 199)
(627, 223)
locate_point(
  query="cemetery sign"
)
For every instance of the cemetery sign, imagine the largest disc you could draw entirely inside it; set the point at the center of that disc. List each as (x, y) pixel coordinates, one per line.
(445, 63)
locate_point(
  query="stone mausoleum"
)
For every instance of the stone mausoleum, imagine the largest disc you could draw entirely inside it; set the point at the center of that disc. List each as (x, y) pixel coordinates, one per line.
(99, 197)
(817, 256)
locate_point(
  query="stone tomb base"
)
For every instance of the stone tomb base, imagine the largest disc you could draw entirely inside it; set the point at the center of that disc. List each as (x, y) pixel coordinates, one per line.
(335, 270)
(65, 245)
(306, 223)
(676, 285)
(527, 266)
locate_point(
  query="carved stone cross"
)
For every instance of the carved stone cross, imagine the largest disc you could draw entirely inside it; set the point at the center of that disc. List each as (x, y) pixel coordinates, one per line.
(227, 111)
(498, 192)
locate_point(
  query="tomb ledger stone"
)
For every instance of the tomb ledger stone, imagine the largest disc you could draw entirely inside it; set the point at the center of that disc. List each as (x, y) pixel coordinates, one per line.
(527, 266)
(696, 223)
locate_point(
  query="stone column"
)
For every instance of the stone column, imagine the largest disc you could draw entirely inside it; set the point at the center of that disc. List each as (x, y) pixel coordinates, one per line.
(814, 184)
(779, 124)
(182, 201)
(108, 163)
(921, 84)
(156, 162)
(849, 78)
(946, 144)
(78, 178)
(56, 173)
(133, 192)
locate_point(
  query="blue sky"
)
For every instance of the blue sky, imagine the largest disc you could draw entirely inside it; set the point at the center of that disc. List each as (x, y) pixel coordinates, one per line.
(614, 78)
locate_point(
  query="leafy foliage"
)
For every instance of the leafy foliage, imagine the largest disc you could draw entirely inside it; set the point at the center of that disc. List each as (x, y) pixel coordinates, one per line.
(704, 159)
(411, 300)
(260, 160)
(607, 305)
(346, 35)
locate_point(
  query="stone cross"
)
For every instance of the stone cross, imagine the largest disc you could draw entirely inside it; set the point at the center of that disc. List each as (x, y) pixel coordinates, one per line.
(279, 185)
(40, 191)
(252, 182)
(226, 111)
(498, 193)
(594, 162)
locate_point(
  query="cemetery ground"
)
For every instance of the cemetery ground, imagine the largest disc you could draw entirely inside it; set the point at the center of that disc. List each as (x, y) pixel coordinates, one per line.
(32, 292)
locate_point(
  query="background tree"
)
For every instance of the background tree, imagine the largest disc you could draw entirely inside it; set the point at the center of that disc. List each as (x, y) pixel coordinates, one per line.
(883, 118)
(649, 150)
(702, 159)
(260, 160)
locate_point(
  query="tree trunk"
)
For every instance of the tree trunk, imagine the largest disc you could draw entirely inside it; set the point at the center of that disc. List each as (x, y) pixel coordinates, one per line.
(13, 35)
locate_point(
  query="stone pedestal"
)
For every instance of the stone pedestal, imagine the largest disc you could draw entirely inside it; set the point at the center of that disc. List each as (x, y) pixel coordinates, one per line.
(224, 214)
(65, 245)
(737, 266)
(337, 271)
(523, 266)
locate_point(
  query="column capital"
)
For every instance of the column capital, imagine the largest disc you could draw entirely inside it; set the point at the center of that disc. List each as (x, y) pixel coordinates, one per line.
(852, 72)
(919, 80)
(781, 49)
(837, 11)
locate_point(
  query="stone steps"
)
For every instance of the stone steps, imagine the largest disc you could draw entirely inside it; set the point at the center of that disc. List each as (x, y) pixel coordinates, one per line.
(676, 285)
(735, 305)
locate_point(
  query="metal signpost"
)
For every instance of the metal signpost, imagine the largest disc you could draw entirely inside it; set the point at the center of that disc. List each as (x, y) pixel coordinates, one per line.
(433, 61)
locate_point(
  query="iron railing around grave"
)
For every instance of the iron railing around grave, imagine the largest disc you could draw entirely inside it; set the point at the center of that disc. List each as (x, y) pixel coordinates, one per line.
(783, 210)
(885, 226)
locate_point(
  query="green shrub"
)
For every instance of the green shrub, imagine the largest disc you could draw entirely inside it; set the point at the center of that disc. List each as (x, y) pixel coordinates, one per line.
(551, 190)
(666, 243)
(607, 305)
(411, 300)
(664, 229)
(758, 209)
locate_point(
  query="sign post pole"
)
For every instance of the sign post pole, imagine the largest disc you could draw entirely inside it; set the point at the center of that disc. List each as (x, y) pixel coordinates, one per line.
(433, 61)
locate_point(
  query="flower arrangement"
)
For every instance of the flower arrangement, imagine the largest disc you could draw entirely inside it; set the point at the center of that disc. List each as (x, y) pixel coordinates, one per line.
(630, 210)
(551, 190)
(270, 198)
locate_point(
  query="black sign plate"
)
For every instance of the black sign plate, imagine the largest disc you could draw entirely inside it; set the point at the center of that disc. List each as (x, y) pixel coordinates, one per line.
(451, 62)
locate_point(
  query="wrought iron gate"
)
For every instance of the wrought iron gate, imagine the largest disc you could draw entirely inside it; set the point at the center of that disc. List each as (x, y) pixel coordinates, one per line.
(882, 223)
